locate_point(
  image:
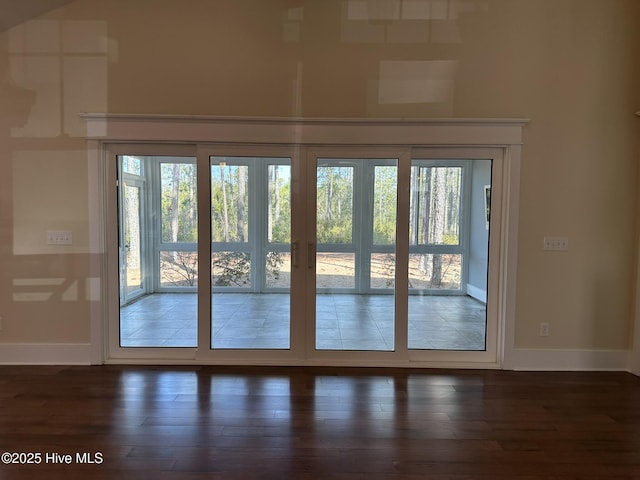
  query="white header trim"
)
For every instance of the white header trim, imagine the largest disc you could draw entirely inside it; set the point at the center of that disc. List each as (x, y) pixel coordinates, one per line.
(303, 131)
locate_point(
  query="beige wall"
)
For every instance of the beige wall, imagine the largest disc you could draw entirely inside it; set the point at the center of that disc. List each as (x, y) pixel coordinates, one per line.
(571, 66)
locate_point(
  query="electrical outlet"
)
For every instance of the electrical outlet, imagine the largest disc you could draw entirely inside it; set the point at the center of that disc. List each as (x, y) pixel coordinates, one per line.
(558, 244)
(544, 329)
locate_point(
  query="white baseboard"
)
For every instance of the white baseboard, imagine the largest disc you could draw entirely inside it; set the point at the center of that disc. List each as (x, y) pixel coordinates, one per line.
(479, 294)
(517, 359)
(567, 360)
(45, 354)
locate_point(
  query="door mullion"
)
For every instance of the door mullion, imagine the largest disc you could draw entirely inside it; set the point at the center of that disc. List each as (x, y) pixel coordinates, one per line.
(363, 224)
(302, 278)
(308, 265)
(153, 231)
(402, 255)
(203, 174)
(255, 170)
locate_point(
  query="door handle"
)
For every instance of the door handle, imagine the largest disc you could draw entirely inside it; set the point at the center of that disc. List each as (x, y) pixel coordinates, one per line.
(294, 253)
(311, 254)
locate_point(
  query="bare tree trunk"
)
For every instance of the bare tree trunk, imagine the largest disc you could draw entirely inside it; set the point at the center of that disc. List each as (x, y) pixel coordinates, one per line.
(192, 199)
(274, 201)
(453, 194)
(413, 206)
(241, 204)
(271, 199)
(382, 190)
(425, 215)
(329, 195)
(276, 180)
(452, 203)
(175, 203)
(438, 223)
(225, 207)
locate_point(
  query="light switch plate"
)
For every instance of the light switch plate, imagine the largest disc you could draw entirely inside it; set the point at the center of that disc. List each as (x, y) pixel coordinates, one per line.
(59, 237)
(558, 244)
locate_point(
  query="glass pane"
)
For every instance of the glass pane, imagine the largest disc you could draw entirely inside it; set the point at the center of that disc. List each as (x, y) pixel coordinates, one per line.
(335, 270)
(278, 270)
(251, 259)
(355, 258)
(448, 289)
(178, 269)
(158, 207)
(384, 205)
(178, 202)
(435, 271)
(334, 204)
(131, 165)
(132, 239)
(354, 322)
(229, 202)
(160, 320)
(435, 205)
(446, 322)
(383, 270)
(279, 206)
(250, 321)
(231, 269)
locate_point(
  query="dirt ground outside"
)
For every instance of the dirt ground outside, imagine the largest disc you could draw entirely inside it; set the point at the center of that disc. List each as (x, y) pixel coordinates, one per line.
(333, 270)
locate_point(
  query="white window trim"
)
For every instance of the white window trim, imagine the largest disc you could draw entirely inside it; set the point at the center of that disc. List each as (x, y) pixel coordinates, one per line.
(505, 135)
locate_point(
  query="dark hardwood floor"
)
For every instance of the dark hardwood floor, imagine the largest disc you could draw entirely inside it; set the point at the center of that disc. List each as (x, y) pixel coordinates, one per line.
(278, 423)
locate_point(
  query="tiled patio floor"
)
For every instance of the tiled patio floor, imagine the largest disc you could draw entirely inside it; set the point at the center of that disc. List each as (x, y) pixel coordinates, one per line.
(344, 322)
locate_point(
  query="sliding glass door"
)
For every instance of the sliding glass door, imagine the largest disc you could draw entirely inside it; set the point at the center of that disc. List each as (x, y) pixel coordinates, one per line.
(158, 240)
(355, 235)
(248, 254)
(448, 254)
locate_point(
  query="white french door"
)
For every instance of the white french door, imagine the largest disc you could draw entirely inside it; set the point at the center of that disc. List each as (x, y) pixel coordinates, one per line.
(305, 255)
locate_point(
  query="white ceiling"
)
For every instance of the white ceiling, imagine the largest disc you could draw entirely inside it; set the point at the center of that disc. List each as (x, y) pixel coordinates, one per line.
(14, 12)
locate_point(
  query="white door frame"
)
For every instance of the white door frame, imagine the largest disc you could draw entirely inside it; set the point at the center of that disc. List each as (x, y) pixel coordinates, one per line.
(187, 133)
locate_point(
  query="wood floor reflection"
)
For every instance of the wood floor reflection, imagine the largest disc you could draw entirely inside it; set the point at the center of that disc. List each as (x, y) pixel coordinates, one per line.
(316, 423)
